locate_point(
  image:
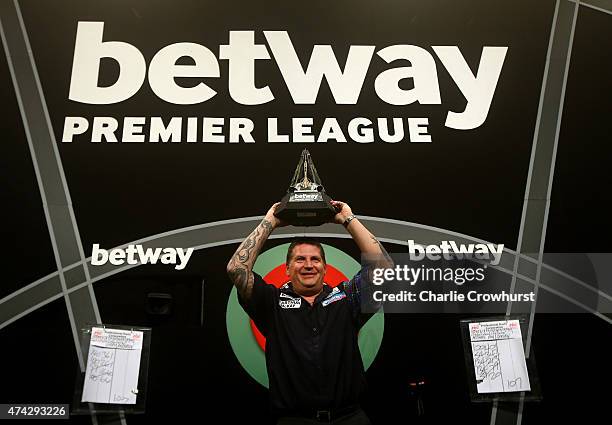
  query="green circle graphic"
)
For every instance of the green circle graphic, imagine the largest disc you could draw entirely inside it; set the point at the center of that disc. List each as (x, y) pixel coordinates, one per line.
(243, 342)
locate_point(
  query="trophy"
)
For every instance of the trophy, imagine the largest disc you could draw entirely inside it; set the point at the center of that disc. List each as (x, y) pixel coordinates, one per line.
(306, 203)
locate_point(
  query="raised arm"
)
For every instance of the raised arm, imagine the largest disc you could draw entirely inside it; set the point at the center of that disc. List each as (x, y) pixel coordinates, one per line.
(366, 241)
(240, 266)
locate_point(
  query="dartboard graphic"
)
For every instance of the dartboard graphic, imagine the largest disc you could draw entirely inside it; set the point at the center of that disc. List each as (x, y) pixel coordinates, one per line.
(249, 344)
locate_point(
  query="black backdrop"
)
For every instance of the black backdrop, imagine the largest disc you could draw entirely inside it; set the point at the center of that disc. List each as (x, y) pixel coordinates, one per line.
(465, 181)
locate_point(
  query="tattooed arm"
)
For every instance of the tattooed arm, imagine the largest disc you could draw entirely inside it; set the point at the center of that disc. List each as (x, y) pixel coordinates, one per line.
(240, 266)
(360, 288)
(366, 241)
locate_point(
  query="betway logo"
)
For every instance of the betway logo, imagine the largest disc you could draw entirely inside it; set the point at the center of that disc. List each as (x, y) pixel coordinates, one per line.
(306, 197)
(242, 54)
(136, 254)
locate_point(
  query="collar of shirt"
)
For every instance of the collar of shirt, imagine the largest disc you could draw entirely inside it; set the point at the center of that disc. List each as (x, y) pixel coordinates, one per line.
(287, 288)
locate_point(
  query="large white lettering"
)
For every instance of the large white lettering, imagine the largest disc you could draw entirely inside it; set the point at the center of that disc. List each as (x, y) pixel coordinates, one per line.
(478, 90)
(89, 49)
(345, 81)
(304, 86)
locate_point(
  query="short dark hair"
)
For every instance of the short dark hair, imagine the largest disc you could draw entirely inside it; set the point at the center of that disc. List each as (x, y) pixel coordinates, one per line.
(304, 241)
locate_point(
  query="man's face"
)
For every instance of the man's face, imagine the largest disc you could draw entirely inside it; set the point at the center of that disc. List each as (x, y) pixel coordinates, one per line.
(306, 269)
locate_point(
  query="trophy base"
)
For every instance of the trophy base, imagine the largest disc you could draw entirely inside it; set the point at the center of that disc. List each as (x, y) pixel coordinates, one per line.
(306, 208)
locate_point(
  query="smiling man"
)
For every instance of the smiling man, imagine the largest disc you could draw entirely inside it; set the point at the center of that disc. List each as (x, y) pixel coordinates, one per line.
(314, 365)
(306, 267)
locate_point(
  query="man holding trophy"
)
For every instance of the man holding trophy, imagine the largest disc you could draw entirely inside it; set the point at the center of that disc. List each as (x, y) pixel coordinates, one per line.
(314, 365)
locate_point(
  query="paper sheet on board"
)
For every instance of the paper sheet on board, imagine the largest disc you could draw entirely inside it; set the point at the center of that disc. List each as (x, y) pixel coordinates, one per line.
(499, 357)
(113, 364)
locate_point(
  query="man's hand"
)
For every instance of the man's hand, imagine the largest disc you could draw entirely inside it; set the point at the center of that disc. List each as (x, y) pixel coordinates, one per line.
(343, 211)
(274, 220)
(366, 241)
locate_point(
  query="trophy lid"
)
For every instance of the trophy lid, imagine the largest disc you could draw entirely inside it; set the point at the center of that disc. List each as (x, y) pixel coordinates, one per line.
(306, 176)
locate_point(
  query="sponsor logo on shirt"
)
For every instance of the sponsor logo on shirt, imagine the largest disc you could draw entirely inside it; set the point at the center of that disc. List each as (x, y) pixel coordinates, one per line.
(290, 303)
(332, 298)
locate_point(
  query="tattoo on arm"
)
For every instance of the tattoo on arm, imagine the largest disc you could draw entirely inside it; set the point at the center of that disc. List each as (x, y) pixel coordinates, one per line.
(240, 267)
(238, 276)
